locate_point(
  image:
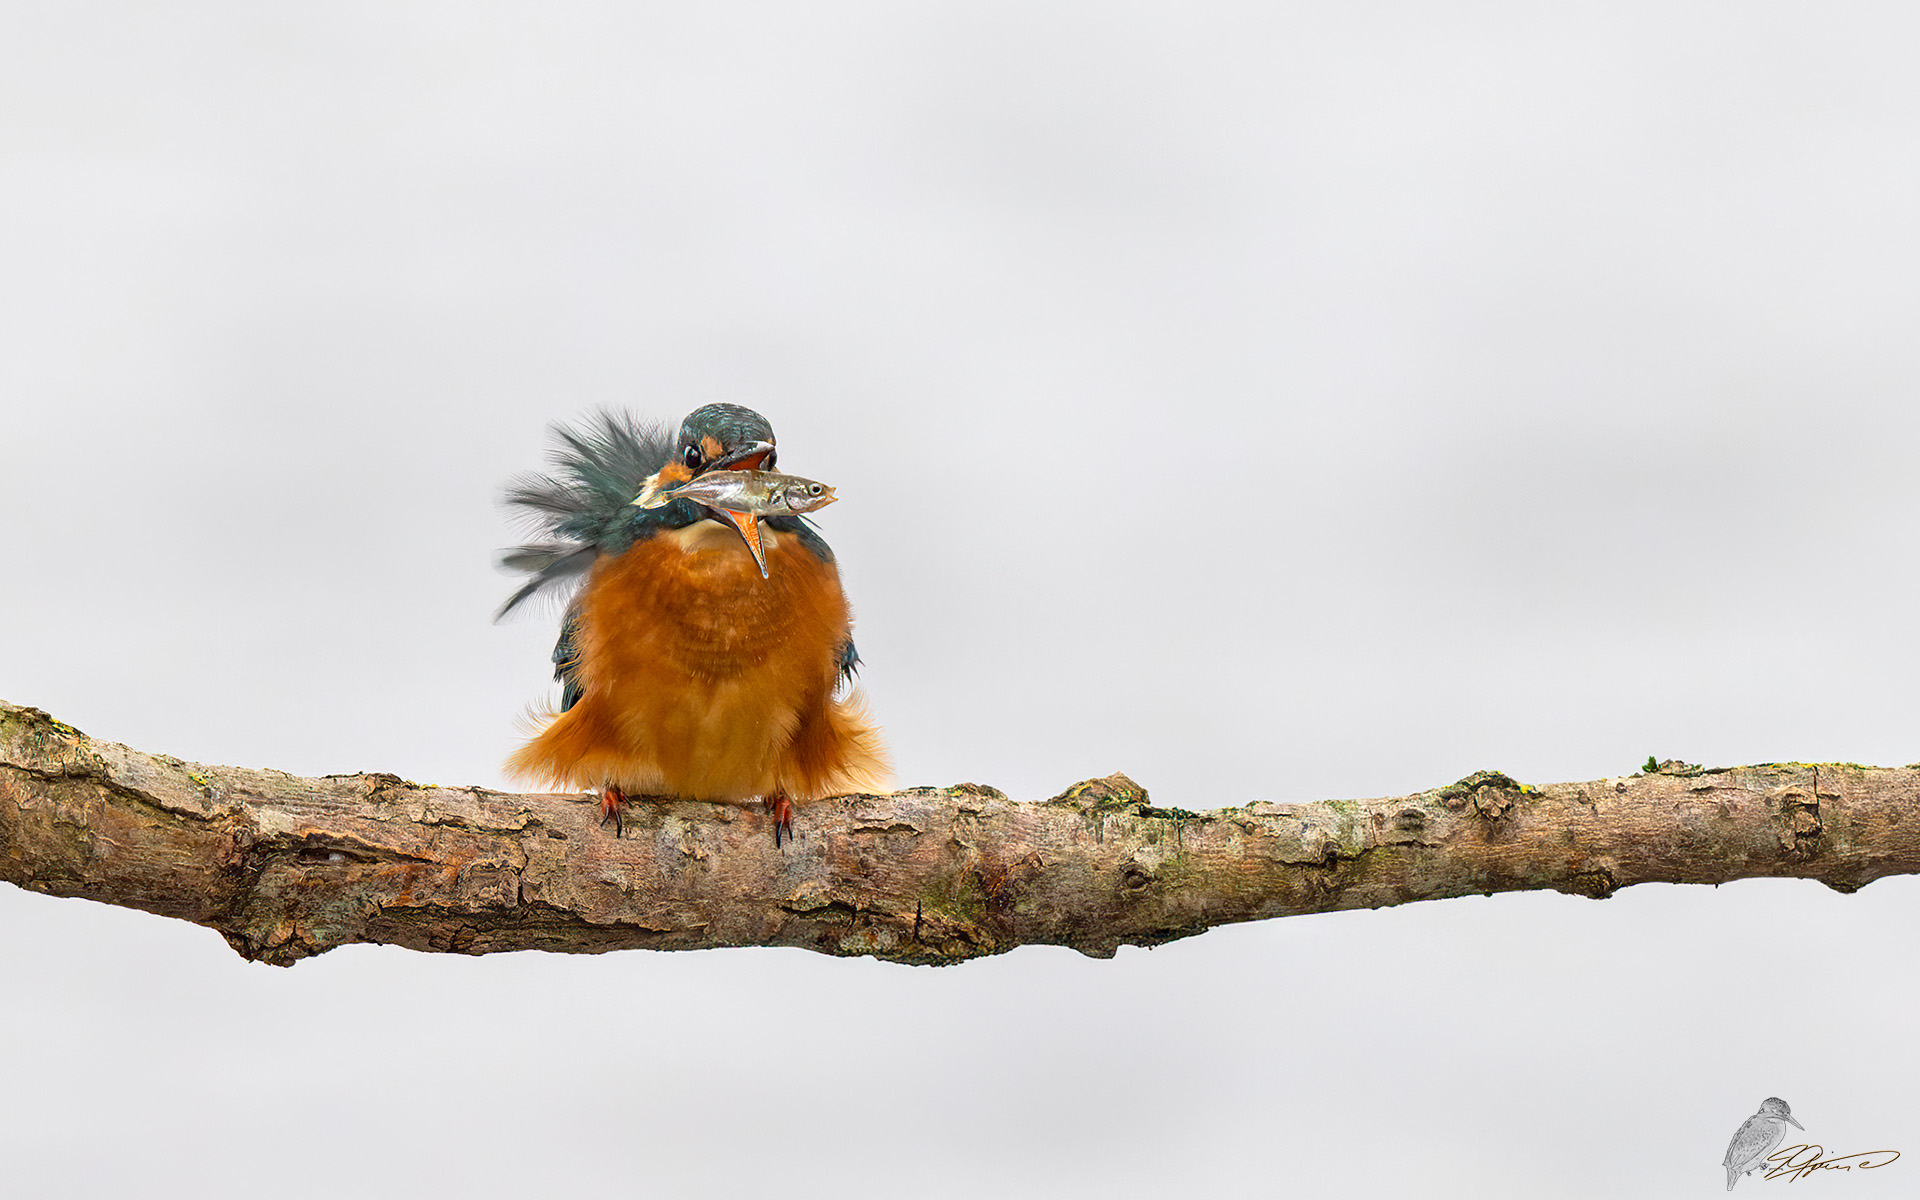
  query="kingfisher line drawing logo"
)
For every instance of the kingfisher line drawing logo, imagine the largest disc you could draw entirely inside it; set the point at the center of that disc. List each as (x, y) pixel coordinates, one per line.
(1754, 1146)
(1756, 1138)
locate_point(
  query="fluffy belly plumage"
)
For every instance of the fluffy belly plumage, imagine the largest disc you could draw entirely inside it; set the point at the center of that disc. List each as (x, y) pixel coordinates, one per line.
(699, 678)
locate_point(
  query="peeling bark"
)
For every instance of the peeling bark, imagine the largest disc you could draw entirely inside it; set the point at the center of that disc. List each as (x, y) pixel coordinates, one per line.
(286, 867)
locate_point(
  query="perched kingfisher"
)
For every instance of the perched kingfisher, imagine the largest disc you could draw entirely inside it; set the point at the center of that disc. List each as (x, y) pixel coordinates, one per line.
(1756, 1138)
(684, 671)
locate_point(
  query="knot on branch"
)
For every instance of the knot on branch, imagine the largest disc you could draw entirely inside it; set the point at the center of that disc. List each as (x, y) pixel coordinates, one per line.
(1492, 794)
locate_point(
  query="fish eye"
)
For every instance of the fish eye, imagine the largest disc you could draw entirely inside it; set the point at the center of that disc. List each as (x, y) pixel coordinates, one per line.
(813, 489)
(691, 456)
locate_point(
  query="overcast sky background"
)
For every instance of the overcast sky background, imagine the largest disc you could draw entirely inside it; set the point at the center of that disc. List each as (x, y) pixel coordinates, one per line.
(1285, 401)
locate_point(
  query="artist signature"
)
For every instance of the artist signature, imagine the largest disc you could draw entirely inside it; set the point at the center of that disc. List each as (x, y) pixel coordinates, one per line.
(1798, 1162)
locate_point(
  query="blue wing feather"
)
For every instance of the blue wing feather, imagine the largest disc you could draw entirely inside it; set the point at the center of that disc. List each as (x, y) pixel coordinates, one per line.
(582, 509)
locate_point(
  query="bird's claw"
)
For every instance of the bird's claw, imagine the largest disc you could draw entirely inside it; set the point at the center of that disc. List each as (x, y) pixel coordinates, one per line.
(612, 800)
(782, 811)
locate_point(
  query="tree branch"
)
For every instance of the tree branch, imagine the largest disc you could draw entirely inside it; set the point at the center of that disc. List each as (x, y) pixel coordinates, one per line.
(286, 867)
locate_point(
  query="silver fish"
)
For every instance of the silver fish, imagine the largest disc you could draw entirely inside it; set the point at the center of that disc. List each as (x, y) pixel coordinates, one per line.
(757, 493)
(743, 497)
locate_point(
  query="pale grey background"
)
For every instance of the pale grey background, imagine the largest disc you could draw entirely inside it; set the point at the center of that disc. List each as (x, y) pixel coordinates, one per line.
(1430, 387)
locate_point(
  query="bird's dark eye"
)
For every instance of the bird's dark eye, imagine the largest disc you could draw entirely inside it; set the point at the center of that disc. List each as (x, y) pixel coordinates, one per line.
(691, 457)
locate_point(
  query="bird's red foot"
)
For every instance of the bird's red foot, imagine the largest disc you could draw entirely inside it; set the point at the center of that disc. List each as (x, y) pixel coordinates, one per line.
(612, 800)
(782, 811)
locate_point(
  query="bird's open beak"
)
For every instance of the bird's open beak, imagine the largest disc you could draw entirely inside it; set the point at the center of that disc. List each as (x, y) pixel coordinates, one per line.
(749, 527)
(748, 456)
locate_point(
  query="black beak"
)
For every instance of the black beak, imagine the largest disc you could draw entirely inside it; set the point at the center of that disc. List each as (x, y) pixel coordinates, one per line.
(748, 456)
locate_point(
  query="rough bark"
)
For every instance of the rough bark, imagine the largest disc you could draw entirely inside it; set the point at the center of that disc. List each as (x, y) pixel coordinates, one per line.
(286, 867)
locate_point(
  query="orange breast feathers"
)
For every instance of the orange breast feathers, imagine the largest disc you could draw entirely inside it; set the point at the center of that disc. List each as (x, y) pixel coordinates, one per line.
(701, 679)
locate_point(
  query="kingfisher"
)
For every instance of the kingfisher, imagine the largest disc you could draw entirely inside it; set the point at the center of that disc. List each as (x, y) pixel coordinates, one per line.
(1757, 1137)
(684, 670)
